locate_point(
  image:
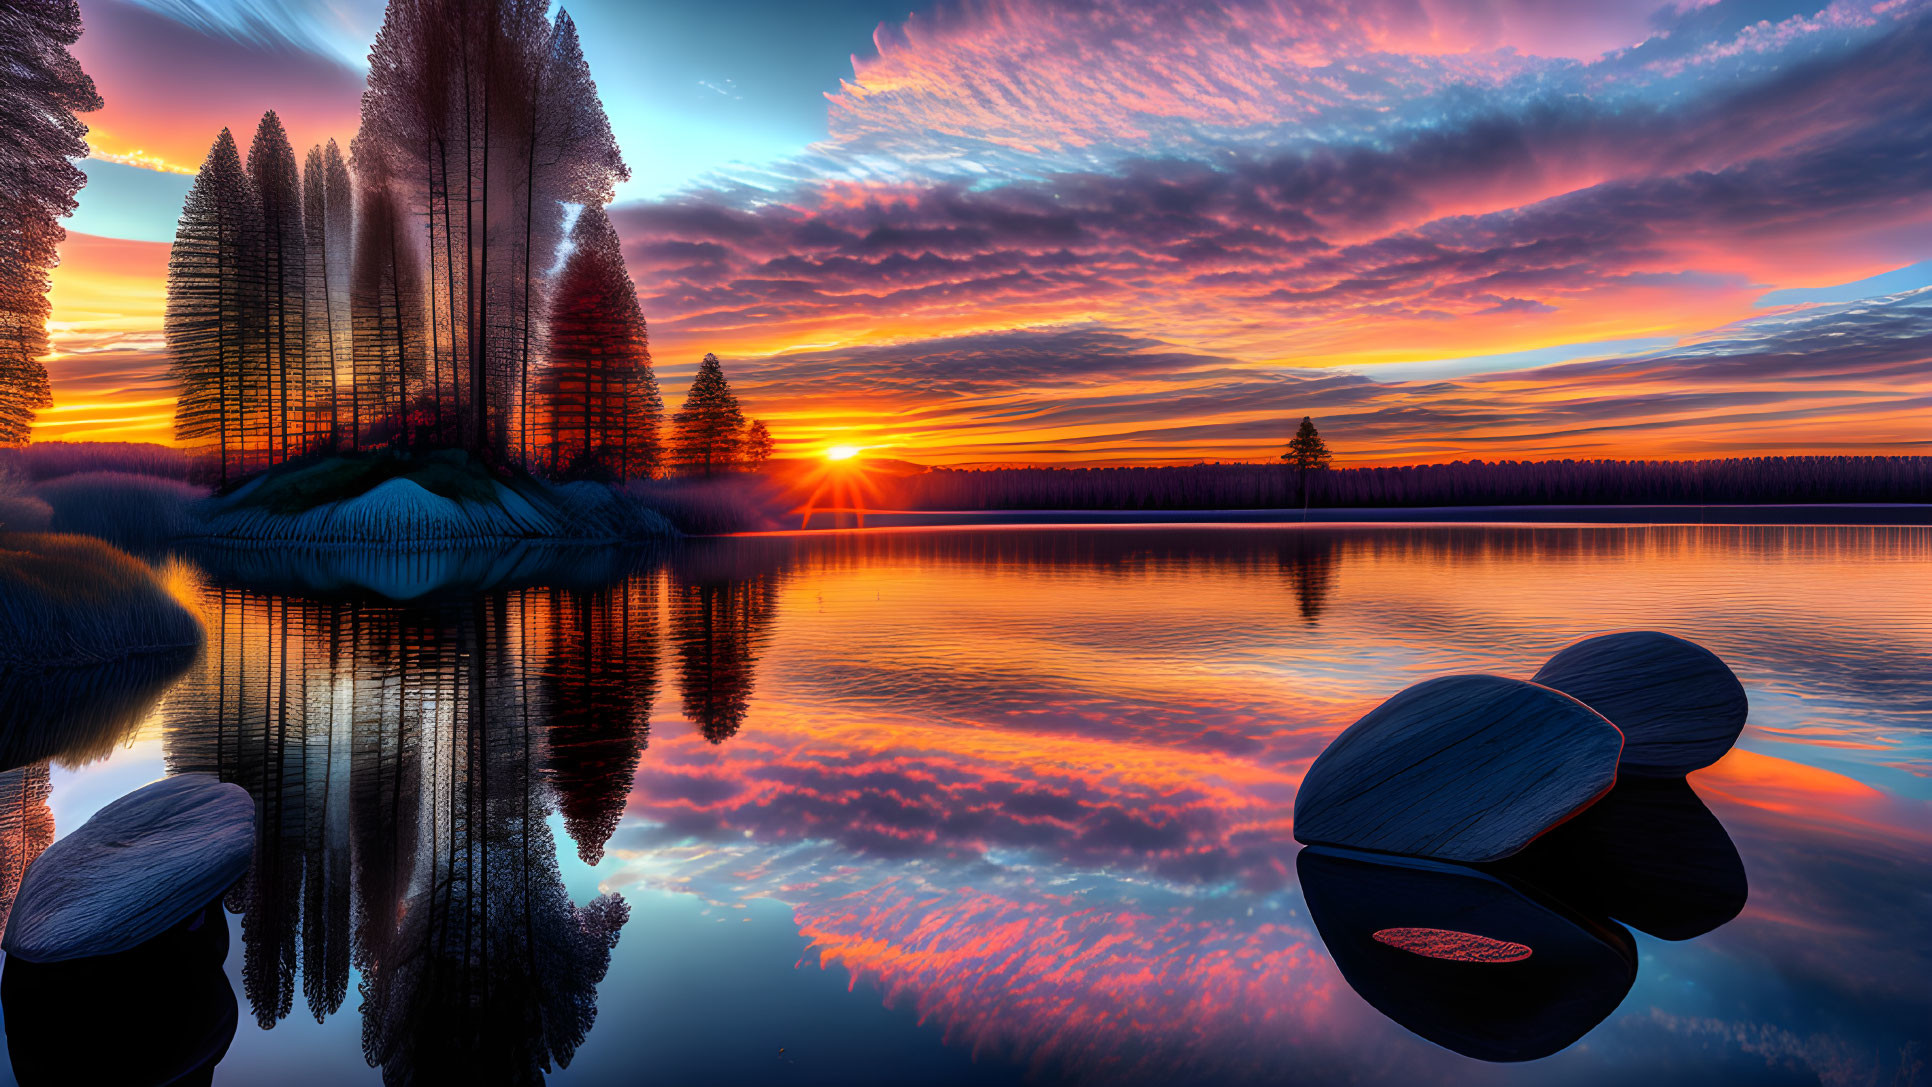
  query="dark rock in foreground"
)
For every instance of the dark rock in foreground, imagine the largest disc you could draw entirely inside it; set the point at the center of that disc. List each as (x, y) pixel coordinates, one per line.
(1469, 960)
(136, 869)
(58, 1034)
(1679, 707)
(1462, 768)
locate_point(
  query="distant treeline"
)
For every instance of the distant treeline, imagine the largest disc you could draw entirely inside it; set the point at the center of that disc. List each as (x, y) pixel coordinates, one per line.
(1738, 480)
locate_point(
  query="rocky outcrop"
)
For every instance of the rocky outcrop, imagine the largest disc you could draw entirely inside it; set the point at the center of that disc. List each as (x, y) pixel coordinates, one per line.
(140, 866)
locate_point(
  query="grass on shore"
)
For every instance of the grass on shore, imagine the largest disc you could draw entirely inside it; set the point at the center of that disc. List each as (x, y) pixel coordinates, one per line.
(68, 600)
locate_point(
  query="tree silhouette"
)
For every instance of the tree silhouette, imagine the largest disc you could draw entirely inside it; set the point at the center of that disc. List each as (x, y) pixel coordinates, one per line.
(480, 120)
(707, 432)
(214, 287)
(1306, 453)
(384, 309)
(490, 121)
(757, 445)
(328, 221)
(601, 396)
(569, 156)
(41, 89)
(283, 366)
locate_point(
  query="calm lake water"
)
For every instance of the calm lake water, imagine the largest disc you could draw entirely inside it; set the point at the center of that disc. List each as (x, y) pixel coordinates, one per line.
(997, 806)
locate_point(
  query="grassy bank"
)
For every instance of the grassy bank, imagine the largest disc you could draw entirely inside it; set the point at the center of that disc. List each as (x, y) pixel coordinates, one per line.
(72, 600)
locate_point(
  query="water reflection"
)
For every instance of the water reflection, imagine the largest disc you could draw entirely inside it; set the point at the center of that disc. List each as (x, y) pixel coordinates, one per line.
(1517, 960)
(1034, 787)
(724, 600)
(403, 748)
(81, 714)
(1563, 972)
(26, 827)
(1649, 854)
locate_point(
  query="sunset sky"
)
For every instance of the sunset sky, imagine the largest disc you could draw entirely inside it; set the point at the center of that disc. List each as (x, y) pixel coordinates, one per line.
(1106, 231)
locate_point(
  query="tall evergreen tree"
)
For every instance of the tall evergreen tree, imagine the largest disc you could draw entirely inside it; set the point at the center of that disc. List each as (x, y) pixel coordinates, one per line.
(214, 284)
(490, 121)
(1306, 453)
(569, 157)
(42, 87)
(708, 431)
(284, 372)
(601, 396)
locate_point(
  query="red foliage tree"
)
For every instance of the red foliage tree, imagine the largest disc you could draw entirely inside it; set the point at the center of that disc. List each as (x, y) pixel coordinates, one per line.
(600, 395)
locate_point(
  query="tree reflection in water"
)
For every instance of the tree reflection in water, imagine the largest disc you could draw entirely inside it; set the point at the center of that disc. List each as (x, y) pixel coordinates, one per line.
(405, 758)
(722, 608)
(26, 827)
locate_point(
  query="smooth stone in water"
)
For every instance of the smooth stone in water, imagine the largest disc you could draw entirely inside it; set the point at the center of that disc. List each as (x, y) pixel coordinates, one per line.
(141, 865)
(1461, 768)
(1679, 707)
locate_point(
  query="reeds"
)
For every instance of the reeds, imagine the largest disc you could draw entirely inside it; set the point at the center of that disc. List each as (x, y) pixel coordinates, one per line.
(123, 508)
(711, 506)
(51, 460)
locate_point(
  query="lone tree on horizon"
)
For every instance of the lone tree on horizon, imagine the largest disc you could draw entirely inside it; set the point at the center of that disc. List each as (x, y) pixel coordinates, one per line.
(41, 89)
(708, 432)
(1306, 453)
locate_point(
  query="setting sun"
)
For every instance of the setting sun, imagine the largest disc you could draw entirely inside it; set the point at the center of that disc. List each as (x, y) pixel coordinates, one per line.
(842, 452)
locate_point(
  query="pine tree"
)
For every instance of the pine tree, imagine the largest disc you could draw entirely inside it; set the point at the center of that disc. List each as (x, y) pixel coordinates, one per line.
(757, 445)
(490, 121)
(1306, 453)
(214, 282)
(599, 392)
(271, 167)
(708, 432)
(41, 89)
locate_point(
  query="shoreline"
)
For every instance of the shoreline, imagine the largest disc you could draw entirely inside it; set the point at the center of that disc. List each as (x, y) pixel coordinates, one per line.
(1811, 515)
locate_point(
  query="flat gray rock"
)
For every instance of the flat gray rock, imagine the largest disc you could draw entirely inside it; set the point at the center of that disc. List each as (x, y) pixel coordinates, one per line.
(1461, 768)
(1680, 708)
(140, 866)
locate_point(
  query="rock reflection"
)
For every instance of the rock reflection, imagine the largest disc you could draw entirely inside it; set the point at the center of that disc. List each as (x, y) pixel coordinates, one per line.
(411, 750)
(1649, 854)
(185, 1023)
(1575, 973)
(1417, 938)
